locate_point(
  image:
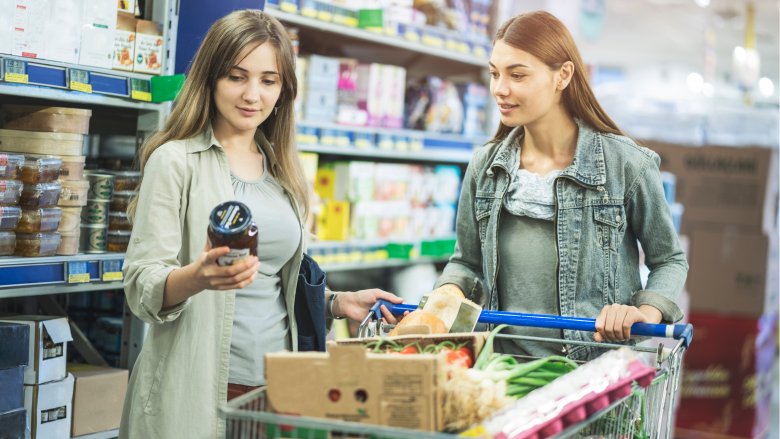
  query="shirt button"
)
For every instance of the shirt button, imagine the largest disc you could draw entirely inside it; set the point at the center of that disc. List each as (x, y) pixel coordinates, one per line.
(137, 240)
(617, 218)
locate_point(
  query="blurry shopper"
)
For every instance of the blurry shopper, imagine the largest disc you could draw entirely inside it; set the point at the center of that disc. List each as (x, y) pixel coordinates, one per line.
(229, 137)
(552, 207)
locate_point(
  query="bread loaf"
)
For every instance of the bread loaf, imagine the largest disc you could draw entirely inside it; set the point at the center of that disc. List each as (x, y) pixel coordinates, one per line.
(419, 322)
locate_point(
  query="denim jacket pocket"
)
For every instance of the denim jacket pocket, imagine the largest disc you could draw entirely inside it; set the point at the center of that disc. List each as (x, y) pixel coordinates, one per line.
(611, 224)
(482, 209)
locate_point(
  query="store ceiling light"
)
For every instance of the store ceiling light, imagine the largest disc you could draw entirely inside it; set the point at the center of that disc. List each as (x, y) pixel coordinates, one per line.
(766, 87)
(695, 82)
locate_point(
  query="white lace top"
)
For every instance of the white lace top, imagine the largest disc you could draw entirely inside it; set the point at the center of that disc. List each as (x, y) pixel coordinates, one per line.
(530, 194)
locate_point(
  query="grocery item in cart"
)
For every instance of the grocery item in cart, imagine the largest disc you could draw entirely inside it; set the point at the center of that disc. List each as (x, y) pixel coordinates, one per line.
(40, 195)
(37, 244)
(45, 219)
(10, 191)
(419, 322)
(40, 169)
(10, 165)
(231, 225)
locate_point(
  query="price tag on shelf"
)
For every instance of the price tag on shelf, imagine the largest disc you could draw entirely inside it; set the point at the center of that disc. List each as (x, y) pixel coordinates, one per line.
(140, 90)
(77, 272)
(112, 270)
(18, 78)
(288, 6)
(79, 81)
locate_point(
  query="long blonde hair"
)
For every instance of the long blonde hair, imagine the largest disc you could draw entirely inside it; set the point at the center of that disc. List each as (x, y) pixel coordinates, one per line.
(194, 109)
(544, 36)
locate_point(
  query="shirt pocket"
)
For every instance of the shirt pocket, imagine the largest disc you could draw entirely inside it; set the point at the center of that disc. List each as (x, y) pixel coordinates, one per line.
(610, 224)
(483, 206)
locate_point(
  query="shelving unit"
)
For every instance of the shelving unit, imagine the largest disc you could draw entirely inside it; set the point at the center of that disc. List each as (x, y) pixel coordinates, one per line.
(59, 274)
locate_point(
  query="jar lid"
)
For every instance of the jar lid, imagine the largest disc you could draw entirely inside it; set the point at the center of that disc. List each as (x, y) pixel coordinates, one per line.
(231, 217)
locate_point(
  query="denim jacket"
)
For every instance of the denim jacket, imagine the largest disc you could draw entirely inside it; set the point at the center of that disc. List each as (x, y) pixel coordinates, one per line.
(609, 197)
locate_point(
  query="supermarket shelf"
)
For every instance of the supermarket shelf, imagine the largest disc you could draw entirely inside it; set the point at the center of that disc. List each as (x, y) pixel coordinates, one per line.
(387, 40)
(59, 81)
(110, 434)
(59, 274)
(451, 156)
(367, 243)
(386, 263)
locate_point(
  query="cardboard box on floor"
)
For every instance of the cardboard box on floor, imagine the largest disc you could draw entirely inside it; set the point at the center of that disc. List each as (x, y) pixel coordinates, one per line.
(351, 384)
(727, 387)
(49, 408)
(48, 347)
(98, 396)
(723, 185)
(733, 271)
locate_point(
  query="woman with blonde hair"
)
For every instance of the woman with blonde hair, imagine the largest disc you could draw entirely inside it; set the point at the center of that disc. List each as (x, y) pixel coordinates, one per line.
(553, 206)
(229, 137)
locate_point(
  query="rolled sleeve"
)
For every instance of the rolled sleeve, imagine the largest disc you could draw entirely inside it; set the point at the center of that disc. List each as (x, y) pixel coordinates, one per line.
(156, 240)
(670, 312)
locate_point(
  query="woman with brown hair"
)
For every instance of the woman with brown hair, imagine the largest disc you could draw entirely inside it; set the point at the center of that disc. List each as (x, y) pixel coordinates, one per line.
(553, 206)
(229, 137)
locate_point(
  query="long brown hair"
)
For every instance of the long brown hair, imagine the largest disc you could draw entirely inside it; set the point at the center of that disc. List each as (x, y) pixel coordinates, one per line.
(545, 37)
(225, 42)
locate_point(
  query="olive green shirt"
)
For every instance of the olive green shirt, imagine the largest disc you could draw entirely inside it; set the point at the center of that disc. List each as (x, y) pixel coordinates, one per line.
(181, 375)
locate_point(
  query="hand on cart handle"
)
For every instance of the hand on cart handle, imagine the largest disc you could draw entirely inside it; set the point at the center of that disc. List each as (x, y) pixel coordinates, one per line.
(355, 305)
(677, 332)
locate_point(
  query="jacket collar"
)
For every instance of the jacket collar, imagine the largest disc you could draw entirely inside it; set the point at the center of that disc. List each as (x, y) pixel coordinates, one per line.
(587, 168)
(206, 140)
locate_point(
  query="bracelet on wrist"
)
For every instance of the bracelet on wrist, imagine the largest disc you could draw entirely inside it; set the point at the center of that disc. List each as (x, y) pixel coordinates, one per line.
(331, 300)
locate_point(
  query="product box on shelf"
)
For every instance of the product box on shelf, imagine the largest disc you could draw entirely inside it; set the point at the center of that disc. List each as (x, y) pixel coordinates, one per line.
(7, 26)
(47, 119)
(98, 396)
(49, 408)
(149, 47)
(727, 385)
(733, 270)
(723, 185)
(97, 33)
(11, 388)
(47, 347)
(16, 344)
(30, 18)
(124, 42)
(41, 143)
(352, 384)
(63, 30)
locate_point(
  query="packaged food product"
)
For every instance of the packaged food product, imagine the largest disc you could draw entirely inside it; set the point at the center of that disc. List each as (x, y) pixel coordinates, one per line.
(118, 240)
(121, 200)
(31, 142)
(69, 243)
(72, 167)
(74, 193)
(7, 242)
(10, 190)
(118, 221)
(40, 195)
(71, 220)
(45, 219)
(40, 169)
(95, 212)
(126, 180)
(10, 165)
(50, 119)
(101, 185)
(231, 225)
(37, 244)
(9, 217)
(93, 238)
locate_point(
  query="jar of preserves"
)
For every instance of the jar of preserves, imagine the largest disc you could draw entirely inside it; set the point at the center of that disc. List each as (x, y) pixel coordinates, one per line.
(231, 225)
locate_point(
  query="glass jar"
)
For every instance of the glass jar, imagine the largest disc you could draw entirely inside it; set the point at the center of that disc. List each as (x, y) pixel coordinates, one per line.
(231, 225)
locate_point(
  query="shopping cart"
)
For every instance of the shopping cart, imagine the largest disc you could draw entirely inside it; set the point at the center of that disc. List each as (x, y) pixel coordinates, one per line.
(644, 413)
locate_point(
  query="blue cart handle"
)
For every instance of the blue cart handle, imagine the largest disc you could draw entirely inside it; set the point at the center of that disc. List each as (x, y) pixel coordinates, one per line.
(677, 332)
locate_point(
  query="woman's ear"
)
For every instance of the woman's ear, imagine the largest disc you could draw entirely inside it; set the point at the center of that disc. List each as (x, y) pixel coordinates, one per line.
(565, 73)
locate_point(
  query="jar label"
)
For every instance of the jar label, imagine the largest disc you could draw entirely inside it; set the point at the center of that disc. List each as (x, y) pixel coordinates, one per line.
(233, 256)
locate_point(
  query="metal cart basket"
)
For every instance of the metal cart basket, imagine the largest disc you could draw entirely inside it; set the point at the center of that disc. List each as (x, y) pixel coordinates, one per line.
(645, 413)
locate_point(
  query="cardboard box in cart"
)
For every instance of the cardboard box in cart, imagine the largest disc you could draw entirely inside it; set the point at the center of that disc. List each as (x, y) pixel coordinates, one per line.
(351, 384)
